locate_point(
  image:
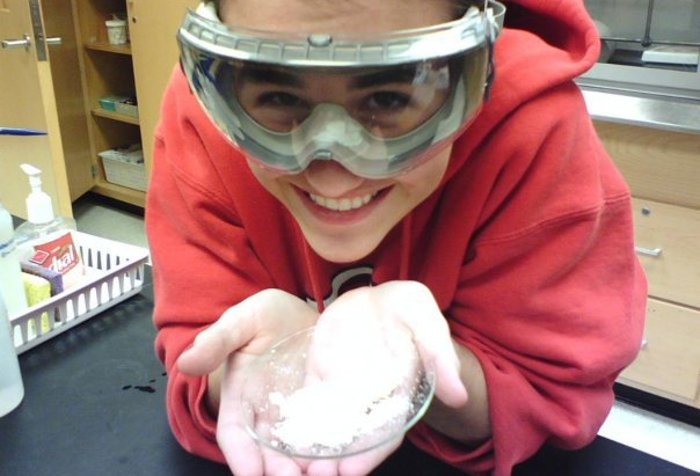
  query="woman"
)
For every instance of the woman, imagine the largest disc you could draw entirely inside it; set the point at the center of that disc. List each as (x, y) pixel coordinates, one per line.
(479, 213)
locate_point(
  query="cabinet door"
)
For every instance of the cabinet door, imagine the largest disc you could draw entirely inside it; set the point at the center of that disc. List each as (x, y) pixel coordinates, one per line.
(669, 362)
(59, 20)
(153, 25)
(667, 239)
(27, 100)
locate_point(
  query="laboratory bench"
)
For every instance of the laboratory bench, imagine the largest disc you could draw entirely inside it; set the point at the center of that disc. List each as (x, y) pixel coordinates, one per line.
(95, 404)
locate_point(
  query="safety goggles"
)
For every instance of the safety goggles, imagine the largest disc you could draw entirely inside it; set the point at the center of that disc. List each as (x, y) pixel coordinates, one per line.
(379, 106)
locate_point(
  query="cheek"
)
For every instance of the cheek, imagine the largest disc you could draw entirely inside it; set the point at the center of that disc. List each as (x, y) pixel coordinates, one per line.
(266, 177)
(426, 178)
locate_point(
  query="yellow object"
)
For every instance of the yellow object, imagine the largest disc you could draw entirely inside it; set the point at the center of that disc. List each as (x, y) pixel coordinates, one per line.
(37, 290)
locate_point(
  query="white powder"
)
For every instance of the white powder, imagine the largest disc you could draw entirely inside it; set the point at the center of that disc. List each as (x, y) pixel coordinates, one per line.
(346, 404)
(328, 416)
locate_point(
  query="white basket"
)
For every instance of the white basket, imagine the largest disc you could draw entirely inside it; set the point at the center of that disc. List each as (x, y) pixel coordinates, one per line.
(120, 171)
(114, 272)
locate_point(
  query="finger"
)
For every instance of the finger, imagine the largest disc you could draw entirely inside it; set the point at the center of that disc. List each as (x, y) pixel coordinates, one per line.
(278, 464)
(363, 463)
(242, 454)
(322, 467)
(240, 450)
(230, 332)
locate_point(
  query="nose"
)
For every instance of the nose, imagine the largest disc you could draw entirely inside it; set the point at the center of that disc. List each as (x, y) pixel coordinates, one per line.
(330, 179)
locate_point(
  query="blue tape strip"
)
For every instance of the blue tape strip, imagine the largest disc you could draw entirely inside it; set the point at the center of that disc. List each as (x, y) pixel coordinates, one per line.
(20, 131)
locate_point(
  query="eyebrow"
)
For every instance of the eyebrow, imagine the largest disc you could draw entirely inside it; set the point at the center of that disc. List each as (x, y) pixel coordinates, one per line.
(263, 75)
(257, 74)
(393, 75)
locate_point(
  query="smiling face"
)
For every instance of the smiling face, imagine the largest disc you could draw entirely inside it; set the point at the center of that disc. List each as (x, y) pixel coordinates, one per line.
(343, 216)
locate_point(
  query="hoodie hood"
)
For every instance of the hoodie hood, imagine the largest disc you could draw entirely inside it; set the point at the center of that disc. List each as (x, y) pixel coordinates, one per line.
(544, 44)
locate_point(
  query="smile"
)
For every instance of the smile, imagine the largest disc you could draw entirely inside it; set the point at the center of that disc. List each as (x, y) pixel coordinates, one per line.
(342, 204)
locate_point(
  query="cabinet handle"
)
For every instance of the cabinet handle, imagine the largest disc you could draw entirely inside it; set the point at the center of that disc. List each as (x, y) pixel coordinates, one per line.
(653, 252)
(25, 43)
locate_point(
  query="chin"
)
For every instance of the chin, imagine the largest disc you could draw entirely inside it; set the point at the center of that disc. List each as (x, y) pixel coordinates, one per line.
(341, 251)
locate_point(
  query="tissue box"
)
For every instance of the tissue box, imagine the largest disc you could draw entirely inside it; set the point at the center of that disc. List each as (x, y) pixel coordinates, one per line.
(124, 166)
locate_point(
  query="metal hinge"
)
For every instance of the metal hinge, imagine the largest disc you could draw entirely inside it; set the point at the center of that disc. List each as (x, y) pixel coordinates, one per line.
(38, 27)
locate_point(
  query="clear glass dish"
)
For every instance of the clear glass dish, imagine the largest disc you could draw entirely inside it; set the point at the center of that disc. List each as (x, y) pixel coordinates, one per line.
(288, 408)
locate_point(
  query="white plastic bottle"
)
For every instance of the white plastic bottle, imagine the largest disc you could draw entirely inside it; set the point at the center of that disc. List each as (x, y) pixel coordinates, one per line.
(11, 286)
(47, 239)
(11, 385)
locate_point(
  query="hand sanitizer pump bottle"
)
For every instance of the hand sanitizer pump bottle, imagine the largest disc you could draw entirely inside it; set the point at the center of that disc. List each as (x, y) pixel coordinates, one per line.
(41, 219)
(46, 239)
(11, 385)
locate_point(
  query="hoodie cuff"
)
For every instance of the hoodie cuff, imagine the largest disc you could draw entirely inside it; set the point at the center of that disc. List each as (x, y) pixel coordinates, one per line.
(473, 460)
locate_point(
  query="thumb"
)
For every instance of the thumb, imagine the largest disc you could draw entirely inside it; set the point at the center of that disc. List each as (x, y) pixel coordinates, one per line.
(449, 387)
(233, 330)
(443, 360)
(438, 354)
(431, 333)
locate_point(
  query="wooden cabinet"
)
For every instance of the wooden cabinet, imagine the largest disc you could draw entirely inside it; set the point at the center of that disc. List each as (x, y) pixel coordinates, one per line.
(107, 70)
(139, 69)
(663, 170)
(40, 88)
(669, 361)
(70, 81)
(60, 22)
(668, 243)
(153, 27)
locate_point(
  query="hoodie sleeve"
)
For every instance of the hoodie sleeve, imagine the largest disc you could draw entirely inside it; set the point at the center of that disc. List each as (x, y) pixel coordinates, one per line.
(202, 261)
(551, 297)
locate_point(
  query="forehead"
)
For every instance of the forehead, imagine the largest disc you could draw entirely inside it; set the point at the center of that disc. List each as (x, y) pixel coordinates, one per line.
(357, 16)
(359, 77)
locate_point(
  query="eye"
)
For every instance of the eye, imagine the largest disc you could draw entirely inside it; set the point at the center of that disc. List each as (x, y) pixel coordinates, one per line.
(281, 99)
(278, 110)
(387, 101)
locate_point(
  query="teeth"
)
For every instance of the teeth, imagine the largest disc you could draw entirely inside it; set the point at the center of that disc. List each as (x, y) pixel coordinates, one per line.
(343, 204)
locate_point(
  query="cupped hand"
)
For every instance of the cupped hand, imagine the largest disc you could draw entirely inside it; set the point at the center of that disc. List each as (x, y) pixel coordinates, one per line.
(369, 336)
(251, 327)
(375, 329)
(226, 347)
(359, 333)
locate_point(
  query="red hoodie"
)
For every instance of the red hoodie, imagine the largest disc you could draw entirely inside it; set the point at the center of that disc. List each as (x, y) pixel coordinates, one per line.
(527, 247)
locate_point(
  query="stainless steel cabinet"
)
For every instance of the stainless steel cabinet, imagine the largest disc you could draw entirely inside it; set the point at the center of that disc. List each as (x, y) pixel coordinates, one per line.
(648, 72)
(650, 33)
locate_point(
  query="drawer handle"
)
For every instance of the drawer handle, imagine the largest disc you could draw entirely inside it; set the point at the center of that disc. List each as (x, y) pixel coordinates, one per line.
(654, 252)
(643, 344)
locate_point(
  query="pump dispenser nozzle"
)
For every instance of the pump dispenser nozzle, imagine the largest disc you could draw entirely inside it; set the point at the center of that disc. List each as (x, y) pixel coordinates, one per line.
(39, 206)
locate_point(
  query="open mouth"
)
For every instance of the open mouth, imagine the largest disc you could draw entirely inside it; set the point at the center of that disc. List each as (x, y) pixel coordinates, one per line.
(342, 204)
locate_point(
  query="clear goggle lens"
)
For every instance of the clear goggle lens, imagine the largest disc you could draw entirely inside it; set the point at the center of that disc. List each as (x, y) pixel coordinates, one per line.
(376, 119)
(387, 102)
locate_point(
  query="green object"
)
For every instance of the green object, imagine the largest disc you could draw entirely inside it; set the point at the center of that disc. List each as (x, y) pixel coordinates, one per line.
(109, 103)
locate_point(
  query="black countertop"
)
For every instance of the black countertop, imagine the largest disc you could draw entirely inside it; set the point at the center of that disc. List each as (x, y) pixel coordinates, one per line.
(94, 405)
